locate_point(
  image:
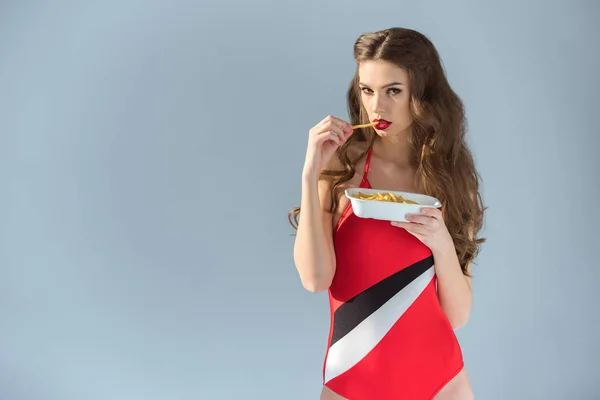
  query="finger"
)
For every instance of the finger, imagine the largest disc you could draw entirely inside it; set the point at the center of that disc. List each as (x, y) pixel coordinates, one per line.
(411, 227)
(348, 133)
(337, 138)
(432, 212)
(339, 128)
(334, 122)
(321, 126)
(420, 219)
(346, 126)
(330, 135)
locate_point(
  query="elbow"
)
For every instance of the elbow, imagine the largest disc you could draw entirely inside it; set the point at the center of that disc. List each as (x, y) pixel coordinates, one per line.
(314, 278)
(316, 284)
(459, 321)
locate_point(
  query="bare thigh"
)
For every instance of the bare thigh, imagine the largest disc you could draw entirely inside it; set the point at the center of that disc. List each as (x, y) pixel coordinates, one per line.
(328, 394)
(459, 388)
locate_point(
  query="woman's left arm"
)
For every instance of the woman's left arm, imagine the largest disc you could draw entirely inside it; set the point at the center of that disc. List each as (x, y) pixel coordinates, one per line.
(454, 288)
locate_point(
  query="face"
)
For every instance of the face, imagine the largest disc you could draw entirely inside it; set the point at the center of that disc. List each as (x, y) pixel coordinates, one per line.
(385, 95)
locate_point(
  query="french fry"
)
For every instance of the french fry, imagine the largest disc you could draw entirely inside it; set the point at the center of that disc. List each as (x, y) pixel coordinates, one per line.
(364, 125)
(389, 197)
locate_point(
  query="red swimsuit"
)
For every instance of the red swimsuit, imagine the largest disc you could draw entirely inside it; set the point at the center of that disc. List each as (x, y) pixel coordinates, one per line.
(389, 337)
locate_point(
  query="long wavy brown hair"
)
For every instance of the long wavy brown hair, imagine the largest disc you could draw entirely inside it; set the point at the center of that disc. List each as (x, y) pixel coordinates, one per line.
(444, 165)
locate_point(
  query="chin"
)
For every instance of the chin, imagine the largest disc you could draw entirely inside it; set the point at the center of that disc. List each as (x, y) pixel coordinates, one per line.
(391, 131)
(386, 132)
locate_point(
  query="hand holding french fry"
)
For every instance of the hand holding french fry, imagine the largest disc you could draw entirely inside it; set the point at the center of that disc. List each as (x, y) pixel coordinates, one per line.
(324, 139)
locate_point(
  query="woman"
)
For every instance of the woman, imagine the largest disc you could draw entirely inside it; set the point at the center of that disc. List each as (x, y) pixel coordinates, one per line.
(397, 290)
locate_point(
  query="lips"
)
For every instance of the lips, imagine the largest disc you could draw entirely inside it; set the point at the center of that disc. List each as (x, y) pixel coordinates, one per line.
(381, 123)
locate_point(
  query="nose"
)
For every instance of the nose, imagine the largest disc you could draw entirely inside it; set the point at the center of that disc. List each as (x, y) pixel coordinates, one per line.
(376, 105)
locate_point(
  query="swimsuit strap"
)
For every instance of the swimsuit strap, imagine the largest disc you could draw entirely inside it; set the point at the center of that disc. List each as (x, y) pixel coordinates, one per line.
(367, 163)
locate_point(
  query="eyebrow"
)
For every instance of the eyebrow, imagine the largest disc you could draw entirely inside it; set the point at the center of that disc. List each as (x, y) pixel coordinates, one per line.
(384, 86)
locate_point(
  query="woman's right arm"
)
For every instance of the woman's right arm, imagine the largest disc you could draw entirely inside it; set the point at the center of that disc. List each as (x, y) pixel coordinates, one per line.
(313, 249)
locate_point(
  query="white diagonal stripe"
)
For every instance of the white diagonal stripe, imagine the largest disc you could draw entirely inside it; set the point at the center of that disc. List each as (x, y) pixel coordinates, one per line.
(353, 347)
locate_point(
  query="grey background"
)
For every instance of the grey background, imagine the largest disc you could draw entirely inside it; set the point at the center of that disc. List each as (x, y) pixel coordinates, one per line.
(150, 151)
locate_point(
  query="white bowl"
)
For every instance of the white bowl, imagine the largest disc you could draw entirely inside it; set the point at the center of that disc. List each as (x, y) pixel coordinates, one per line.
(387, 210)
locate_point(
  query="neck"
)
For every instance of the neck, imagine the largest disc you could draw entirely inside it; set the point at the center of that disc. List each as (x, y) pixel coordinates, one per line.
(395, 149)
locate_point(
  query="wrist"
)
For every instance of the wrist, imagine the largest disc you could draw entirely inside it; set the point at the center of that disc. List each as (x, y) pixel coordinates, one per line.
(445, 250)
(309, 174)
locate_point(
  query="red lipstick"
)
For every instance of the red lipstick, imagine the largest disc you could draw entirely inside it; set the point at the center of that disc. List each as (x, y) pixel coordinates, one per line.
(381, 124)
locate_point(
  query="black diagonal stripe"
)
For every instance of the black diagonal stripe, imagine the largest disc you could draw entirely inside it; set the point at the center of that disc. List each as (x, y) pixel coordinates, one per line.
(357, 309)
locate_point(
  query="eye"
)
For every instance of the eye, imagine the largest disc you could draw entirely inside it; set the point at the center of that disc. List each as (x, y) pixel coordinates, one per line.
(392, 91)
